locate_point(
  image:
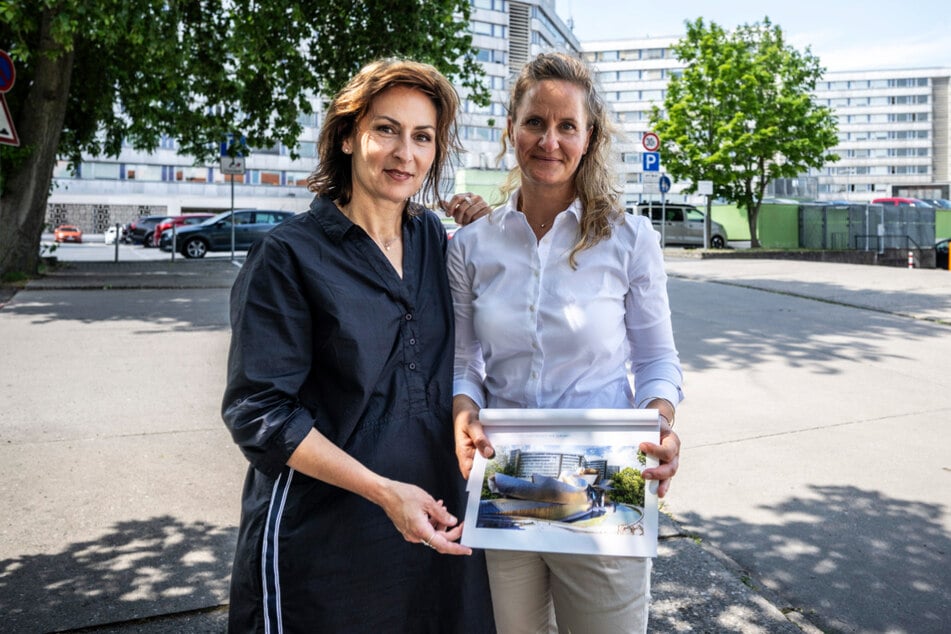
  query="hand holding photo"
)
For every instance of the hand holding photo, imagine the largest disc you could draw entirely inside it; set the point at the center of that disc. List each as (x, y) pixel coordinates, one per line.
(565, 481)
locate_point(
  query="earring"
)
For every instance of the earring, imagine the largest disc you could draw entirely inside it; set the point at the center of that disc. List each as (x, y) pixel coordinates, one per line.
(347, 150)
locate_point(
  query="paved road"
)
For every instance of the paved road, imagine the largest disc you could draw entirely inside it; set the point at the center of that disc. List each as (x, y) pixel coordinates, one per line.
(816, 438)
(815, 467)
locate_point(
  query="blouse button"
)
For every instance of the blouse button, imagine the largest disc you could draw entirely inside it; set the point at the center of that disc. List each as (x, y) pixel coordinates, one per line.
(409, 316)
(412, 366)
(412, 341)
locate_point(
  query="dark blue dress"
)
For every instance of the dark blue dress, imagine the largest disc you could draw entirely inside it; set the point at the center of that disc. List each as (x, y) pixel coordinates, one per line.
(325, 334)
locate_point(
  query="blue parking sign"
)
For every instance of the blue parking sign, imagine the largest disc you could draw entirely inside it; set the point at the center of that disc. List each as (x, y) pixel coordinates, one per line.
(651, 161)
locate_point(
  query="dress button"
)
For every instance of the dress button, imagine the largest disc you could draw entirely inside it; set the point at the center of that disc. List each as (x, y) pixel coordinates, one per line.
(412, 342)
(412, 366)
(409, 316)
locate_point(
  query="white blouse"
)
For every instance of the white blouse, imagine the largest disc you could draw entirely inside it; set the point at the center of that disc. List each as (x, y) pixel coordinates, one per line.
(532, 332)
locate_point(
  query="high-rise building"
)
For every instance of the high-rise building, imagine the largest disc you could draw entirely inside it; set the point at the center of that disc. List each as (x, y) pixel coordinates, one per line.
(893, 124)
(894, 132)
(110, 190)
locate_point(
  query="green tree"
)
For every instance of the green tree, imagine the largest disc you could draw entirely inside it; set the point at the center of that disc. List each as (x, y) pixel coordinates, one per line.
(95, 75)
(743, 113)
(627, 487)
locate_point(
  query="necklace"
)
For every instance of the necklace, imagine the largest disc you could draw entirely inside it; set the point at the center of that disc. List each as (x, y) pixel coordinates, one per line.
(386, 244)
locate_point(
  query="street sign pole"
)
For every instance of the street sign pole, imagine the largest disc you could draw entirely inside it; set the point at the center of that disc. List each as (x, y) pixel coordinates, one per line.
(664, 185)
(232, 164)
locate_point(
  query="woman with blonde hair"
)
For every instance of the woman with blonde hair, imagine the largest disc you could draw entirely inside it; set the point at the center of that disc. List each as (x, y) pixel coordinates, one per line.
(557, 294)
(339, 390)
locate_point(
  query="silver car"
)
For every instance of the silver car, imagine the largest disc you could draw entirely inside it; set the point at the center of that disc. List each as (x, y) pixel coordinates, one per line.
(683, 225)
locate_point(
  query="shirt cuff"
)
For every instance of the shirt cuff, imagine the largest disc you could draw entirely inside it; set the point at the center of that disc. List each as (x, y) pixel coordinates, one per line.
(658, 389)
(470, 389)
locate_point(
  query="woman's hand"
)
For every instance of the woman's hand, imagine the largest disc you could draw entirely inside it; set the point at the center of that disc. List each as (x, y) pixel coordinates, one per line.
(469, 434)
(465, 207)
(667, 453)
(422, 519)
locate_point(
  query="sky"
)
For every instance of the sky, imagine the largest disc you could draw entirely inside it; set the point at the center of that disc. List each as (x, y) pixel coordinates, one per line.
(870, 35)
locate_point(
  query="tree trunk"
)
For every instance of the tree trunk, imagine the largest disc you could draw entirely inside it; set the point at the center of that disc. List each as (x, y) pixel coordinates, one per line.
(26, 187)
(753, 214)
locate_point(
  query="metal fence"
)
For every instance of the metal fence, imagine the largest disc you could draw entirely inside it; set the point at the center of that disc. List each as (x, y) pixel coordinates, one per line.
(866, 227)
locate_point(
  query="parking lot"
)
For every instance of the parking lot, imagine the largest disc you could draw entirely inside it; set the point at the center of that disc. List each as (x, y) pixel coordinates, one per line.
(815, 447)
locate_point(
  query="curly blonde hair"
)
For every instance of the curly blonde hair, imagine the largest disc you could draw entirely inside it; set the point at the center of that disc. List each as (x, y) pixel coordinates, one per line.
(333, 175)
(595, 182)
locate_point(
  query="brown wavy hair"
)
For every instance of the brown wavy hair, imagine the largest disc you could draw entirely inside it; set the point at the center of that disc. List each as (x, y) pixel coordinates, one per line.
(333, 176)
(595, 182)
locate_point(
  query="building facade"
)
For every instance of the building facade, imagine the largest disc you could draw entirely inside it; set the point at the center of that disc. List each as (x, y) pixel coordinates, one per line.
(893, 124)
(116, 190)
(893, 133)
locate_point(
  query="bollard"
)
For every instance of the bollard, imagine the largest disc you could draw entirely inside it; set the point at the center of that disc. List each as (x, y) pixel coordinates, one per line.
(911, 259)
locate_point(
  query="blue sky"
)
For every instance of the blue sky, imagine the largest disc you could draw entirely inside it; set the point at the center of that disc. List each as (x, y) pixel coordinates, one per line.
(844, 35)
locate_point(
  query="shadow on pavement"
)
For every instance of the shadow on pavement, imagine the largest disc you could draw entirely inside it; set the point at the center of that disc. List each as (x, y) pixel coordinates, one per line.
(838, 535)
(139, 570)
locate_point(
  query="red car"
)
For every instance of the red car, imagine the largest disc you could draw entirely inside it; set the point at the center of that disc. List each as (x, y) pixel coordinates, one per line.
(898, 201)
(178, 221)
(67, 233)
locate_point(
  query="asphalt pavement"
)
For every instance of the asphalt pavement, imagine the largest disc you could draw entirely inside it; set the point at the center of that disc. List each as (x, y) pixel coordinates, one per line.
(121, 485)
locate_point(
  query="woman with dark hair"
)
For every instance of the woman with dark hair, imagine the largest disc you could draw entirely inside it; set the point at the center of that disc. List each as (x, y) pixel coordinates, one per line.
(558, 295)
(339, 383)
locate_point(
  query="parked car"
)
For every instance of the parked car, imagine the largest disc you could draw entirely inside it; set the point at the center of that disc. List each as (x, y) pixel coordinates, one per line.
(67, 233)
(141, 230)
(178, 221)
(214, 234)
(941, 254)
(683, 225)
(938, 203)
(898, 201)
(110, 236)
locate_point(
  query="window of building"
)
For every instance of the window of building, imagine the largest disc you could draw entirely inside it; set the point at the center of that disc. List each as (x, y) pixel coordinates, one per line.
(99, 171)
(654, 53)
(630, 54)
(141, 172)
(608, 56)
(297, 178)
(628, 75)
(608, 77)
(491, 5)
(191, 174)
(307, 149)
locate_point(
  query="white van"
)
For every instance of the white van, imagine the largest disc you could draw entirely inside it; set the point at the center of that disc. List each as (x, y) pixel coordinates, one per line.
(683, 225)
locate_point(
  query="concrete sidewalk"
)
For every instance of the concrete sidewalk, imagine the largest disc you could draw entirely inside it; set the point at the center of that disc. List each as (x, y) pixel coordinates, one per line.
(78, 553)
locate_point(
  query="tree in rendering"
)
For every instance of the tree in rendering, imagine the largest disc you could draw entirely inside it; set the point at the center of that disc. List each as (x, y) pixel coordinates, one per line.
(743, 113)
(94, 76)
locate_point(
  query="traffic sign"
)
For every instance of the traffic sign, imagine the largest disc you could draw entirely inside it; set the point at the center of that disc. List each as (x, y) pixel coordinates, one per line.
(651, 182)
(664, 184)
(233, 165)
(231, 145)
(8, 73)
(651, 161)
(650, 141)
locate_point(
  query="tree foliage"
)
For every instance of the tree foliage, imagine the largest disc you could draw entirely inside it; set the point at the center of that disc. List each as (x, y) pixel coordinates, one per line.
(627, 487)
(95, 75)
(742, 113)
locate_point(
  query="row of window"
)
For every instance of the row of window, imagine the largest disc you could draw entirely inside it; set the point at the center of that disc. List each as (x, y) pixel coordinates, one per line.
(97, 170)
(487, 28)
(884, 135)
(634, 95)
(895, 100)
(480, 133)
(877, 170)
(894, 117)
(901, 152)
(627, 55)
(491, 5)
(645, 74)
(860, 84)
(305, 149)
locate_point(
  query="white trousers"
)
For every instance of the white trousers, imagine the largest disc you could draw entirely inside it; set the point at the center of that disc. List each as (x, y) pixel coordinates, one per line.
(545, 593)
